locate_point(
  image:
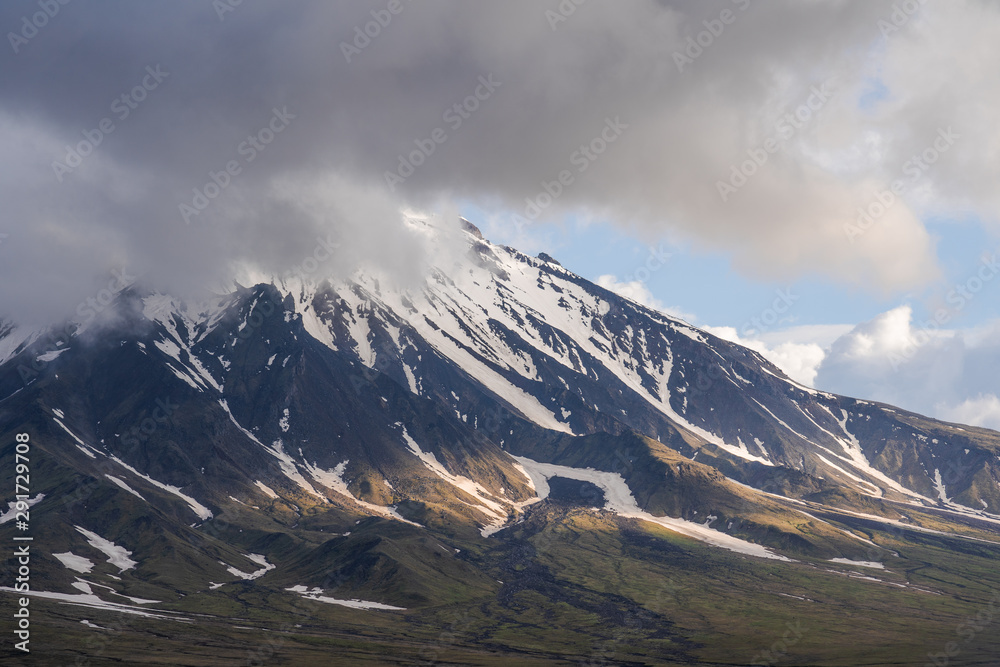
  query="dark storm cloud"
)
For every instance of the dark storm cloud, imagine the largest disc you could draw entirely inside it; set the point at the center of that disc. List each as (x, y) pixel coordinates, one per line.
(247, 134)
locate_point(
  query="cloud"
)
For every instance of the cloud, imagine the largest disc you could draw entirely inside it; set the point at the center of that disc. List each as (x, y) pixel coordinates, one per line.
(983, 410)
(637, 291)
(949, 374)
(797, 360)
(821, 334)
(882, 360)
(498, 104)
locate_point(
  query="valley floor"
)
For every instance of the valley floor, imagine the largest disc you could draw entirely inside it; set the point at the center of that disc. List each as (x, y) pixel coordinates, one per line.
(582, 587)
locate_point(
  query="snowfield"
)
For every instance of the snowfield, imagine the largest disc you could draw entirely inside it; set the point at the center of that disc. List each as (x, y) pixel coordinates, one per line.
(859, 563)
(256, 574)
(316, 594)
(619, 499)
(117, 556)
(75, 563)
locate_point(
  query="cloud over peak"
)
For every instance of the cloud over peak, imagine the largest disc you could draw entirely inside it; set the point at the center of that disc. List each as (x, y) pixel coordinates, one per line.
(764, 130)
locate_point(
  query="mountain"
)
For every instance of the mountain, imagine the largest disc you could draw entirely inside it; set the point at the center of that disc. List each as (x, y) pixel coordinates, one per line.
(499, 463)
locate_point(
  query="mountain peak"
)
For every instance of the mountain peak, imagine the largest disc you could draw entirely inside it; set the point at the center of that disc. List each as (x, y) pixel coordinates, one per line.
(471, 228)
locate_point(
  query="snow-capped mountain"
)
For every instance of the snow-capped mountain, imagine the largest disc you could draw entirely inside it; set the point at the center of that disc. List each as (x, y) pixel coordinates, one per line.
(294, 426)
(519, 350)
(571, 357)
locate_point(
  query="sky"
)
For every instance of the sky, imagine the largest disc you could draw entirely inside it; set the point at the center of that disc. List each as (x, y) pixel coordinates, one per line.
(815, 179)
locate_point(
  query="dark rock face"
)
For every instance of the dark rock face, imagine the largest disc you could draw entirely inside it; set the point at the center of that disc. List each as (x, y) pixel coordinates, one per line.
(575, 492)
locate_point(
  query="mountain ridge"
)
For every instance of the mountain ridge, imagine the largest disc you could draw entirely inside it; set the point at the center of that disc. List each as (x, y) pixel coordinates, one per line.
(348, 439)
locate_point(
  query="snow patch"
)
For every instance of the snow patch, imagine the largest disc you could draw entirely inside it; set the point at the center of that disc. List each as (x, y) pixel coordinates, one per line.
(256, 574)
(316, 595)
(94, 602)
(117, 556)
(76, 563)
(483, 497)
(334, 479)
(266, 489)
(12, 504)
(940, 487)
(80, 444)
(287, 464)
(52, 355)
(125, 486)
(200, 510)
(619, 499)
(860, 563)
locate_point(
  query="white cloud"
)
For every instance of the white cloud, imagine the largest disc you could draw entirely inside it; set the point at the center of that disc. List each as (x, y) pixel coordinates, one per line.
(799, 360)
(820, 334)
(638, 292)
(983, 410)
(882, 359)
(948, 374)
(945, 374)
